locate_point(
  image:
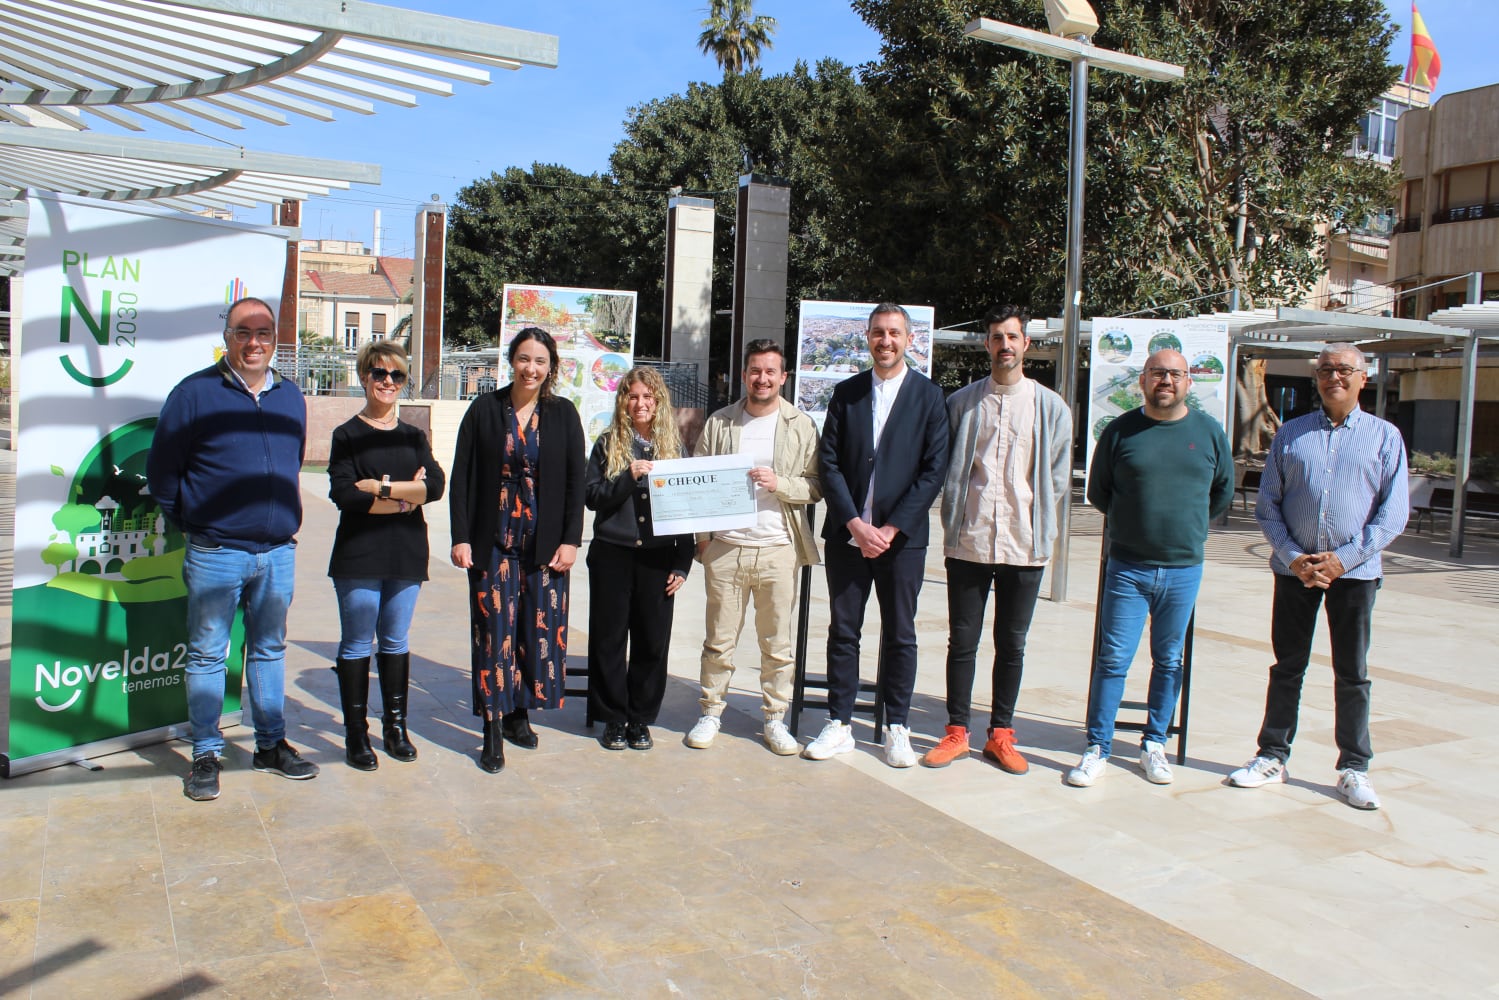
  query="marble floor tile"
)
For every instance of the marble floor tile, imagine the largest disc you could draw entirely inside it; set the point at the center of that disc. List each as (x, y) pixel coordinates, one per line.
(121, 909)
(381, 945)
(280, 975)
(511, 941)
(232, 911)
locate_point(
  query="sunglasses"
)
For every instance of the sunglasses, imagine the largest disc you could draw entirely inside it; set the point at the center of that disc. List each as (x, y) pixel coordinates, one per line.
(396, 377)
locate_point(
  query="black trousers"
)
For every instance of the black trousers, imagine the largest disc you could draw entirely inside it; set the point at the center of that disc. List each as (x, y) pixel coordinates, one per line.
(895, 576)
(1015, 592)
(1350, 611)
(628, 609)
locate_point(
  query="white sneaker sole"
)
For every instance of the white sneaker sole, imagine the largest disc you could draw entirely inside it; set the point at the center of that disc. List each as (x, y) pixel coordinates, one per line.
(820, 753)
(784, 749)
(1078, 779)
(700, 744)
(1246, 781)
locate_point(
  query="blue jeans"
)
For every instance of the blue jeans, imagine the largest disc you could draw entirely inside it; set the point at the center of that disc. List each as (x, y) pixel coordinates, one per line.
(1131, 591)
(220, 581)
(370, 609)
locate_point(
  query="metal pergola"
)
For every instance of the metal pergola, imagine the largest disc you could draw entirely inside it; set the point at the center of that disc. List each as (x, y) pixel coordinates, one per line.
(184, 64)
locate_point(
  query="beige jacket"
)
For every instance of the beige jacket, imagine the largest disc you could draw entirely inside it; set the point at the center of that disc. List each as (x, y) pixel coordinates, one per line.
(795, 465)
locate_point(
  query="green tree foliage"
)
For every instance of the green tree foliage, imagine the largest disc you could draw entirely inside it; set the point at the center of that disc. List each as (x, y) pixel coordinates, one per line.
(547, 226)
(974, 170)
(704, 140)
(734, 36)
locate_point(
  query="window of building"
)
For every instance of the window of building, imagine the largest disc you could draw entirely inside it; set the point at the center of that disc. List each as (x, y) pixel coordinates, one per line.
(1376, 133)
(377, 326)
(351, 330)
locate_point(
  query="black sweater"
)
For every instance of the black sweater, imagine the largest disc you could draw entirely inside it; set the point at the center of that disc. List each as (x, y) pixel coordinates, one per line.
(473, 502)
(379, 546)
(622, 508)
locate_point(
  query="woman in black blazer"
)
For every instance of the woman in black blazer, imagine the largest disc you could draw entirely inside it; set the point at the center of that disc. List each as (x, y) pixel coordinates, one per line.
(516, 510)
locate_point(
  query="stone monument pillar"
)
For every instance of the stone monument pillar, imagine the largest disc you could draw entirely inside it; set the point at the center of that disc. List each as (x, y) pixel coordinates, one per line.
(687, 312)
(761, 237)
(427, 300)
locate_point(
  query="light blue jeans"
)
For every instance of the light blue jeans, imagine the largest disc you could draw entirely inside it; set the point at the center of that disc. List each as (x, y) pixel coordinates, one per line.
(1132, 591)
(220, 581)
(370, 610)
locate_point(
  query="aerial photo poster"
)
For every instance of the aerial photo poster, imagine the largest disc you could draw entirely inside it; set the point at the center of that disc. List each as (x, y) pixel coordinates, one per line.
(595, 334)
(1120, 347)
(120, 303)
(831, 346)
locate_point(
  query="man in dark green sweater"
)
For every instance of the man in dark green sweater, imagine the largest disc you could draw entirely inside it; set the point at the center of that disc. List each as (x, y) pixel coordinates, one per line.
(1159, 474)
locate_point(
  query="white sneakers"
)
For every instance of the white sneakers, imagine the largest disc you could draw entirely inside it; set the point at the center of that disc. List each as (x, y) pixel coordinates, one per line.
(1153, 762)
(898, 752)
(1092, 767)
(836, 738)
(1356, 787)
(779, 738)
(701, 736)
(1260, 770)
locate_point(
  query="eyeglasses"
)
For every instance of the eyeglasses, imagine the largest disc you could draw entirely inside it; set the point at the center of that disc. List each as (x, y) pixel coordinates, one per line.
(397, 377)
(1325, 372)
(1166, 374)
(243, 335)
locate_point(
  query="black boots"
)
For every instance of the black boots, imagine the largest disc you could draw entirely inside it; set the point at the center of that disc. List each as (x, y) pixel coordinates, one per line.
(492, 757)
(516, 727)
(395, 676)
(353, 695)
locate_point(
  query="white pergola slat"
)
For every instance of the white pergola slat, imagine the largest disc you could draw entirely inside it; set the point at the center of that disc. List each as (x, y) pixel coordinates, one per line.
(130, 168)
(173, 60)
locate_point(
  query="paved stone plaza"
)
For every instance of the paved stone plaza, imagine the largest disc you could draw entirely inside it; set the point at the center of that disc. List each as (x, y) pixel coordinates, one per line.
(732, 872)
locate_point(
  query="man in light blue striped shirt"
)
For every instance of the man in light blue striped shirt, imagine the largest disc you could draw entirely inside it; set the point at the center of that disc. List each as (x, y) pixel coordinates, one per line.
(1332, 496)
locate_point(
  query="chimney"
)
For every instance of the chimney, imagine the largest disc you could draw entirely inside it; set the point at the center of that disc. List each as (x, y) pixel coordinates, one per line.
(377, 232)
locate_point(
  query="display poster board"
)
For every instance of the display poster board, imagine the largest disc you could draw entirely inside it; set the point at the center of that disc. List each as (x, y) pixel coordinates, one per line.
(595, 333)
(1120, 348)
(120, 303)
(831, 346)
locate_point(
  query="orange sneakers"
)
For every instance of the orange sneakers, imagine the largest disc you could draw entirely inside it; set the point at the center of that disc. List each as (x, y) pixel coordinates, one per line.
(954, 745)
(1000, 748)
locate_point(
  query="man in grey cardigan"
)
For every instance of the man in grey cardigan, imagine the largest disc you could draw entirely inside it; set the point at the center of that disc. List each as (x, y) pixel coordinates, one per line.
(1009, 459)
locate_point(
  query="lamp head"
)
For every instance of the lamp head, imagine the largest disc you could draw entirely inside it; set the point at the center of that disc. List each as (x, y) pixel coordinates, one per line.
(1070, 18)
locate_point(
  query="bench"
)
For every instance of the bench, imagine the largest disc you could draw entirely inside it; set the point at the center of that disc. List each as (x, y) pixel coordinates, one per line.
(1483, 506)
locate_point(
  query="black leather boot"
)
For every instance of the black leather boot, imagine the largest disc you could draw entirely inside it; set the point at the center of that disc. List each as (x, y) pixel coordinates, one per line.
(516, 726)
(395, 676)
(353, 696)
(492, 758)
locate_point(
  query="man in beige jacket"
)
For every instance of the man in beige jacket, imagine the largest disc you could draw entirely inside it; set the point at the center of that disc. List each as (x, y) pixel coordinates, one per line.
(760, 560)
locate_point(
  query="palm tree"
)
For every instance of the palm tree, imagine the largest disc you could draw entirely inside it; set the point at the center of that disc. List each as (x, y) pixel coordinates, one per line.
(733, 36)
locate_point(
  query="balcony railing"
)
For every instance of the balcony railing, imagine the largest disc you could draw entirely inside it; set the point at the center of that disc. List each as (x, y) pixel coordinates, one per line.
(1466, 213)
(1409, 224)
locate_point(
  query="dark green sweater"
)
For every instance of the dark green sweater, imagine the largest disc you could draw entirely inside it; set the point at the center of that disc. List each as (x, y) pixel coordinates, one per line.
(1159, 483)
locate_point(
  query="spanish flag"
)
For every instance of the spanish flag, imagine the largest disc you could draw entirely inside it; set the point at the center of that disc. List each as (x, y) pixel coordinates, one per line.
(1425, 65)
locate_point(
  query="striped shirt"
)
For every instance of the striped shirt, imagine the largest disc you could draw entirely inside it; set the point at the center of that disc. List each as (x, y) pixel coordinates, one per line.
(1334, 489)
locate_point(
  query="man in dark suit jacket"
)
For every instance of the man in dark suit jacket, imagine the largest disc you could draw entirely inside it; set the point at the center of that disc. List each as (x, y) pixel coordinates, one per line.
(883, 456)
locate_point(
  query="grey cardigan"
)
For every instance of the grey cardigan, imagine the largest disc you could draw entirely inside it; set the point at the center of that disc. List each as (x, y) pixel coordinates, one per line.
(1051, 471)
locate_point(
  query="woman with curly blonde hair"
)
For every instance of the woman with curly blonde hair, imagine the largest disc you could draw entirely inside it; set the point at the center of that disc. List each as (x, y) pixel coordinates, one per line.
(633, 573)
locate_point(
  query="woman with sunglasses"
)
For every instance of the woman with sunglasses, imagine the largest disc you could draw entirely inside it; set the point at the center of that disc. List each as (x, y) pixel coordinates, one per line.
(380, 471)
(634, 572)
(516, 512)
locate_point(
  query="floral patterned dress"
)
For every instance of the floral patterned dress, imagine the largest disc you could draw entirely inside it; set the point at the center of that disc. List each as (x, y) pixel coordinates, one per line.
(520, 631)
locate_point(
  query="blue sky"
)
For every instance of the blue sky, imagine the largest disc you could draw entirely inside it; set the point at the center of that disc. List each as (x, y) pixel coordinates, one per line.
(613, 56)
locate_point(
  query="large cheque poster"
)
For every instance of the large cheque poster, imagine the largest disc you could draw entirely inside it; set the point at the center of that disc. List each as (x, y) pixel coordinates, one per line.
(595, 333)
(1120, 349)
(831, 346)
(120, 303)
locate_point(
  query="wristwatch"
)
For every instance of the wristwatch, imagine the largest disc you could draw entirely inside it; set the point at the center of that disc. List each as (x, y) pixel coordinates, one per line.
(384, 487)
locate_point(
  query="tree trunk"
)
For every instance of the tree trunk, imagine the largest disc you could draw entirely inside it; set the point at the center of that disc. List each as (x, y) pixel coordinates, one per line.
(1256, 421)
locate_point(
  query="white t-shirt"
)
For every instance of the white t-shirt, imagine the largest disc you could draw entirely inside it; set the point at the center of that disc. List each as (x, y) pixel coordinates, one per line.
(757, 439)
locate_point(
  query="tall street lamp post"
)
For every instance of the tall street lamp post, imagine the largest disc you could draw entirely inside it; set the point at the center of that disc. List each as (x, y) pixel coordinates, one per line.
(1072, 23)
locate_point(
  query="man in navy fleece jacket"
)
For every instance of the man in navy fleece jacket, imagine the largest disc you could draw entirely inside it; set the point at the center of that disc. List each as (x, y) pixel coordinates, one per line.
(224, 467)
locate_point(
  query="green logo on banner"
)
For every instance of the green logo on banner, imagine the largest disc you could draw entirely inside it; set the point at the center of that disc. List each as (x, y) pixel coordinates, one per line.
(116, 318)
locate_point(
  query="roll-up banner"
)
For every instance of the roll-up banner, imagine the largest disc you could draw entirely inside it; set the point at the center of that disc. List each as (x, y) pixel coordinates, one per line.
(119, 304)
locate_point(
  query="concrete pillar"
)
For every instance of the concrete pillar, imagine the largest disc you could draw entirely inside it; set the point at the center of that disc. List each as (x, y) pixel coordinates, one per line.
(427, 301)
(289, 214)
(761, 236)
(687, 312)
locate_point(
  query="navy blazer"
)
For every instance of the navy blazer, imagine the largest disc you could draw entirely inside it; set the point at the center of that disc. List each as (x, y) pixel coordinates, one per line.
(911, 459)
